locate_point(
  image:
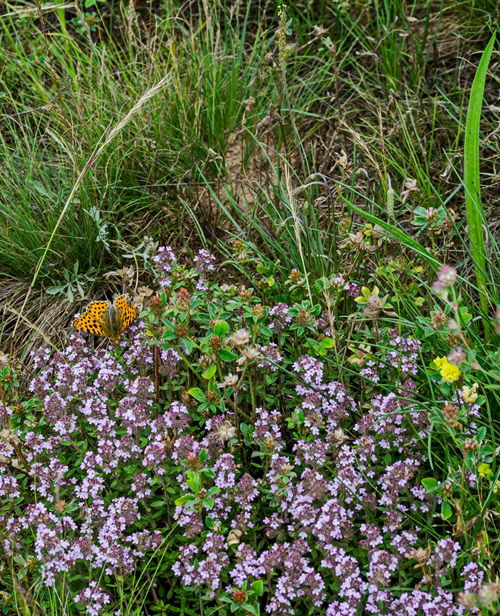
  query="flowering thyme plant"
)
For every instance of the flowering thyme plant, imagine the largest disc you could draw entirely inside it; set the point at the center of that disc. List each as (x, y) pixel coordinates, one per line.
(222, 456)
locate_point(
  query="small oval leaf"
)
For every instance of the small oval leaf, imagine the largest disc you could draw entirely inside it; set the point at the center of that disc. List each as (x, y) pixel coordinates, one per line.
(197, 394)
(209, 372)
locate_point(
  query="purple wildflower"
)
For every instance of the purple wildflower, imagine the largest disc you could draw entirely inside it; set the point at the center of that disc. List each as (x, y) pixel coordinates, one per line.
(204, 261)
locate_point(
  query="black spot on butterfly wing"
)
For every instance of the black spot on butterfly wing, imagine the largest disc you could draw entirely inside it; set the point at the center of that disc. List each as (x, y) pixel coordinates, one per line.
(91, 321)
(127, 313)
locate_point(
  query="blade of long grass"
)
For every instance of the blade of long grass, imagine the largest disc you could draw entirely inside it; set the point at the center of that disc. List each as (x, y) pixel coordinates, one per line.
(474, 208)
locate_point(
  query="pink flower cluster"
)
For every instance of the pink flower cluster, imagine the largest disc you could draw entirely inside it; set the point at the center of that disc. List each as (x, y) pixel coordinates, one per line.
(314, 489)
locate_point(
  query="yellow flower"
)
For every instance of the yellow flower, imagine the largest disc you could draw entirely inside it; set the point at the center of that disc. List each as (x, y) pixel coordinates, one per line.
(448, 371)
(469, 394)
(484, 470)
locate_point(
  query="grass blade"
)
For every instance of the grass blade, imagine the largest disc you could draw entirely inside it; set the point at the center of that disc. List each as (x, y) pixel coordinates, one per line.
(474, 208)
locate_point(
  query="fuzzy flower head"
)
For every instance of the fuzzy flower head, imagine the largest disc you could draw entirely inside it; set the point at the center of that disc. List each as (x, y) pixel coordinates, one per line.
(446, 278)
(469, 394)
(226, 431)
(230, 380)
(488, 594)
(239, 338)
(448, 371)
(457, 356)
(373, 304)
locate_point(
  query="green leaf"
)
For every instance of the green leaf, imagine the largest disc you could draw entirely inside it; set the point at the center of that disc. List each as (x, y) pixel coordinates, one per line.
(327, 343)
(257, 454)
(429, 483)
(323, 283)
(157, 504)
(169, 336)
(446, 510)
(487, 451)
(188, 345)
(193, 481)
(258, 588)
(197, 394)
(470, 464)
(221, 328)
(183, 500)
(246, 429)
(209, 372)
(265, 331)
(225, 599)
(481, 433)
(226, 355)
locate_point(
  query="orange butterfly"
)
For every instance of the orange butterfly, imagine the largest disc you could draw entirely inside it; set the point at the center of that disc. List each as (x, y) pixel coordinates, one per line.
(106, 318)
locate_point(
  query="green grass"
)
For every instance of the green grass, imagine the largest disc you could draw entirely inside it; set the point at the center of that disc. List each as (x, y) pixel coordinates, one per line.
(63, 95)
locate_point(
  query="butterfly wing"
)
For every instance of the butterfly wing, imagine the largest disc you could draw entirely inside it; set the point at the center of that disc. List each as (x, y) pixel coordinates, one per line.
(92, 320)
(126, 313)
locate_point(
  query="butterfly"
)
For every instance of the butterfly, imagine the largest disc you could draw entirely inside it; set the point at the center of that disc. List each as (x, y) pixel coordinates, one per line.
(109, 319)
